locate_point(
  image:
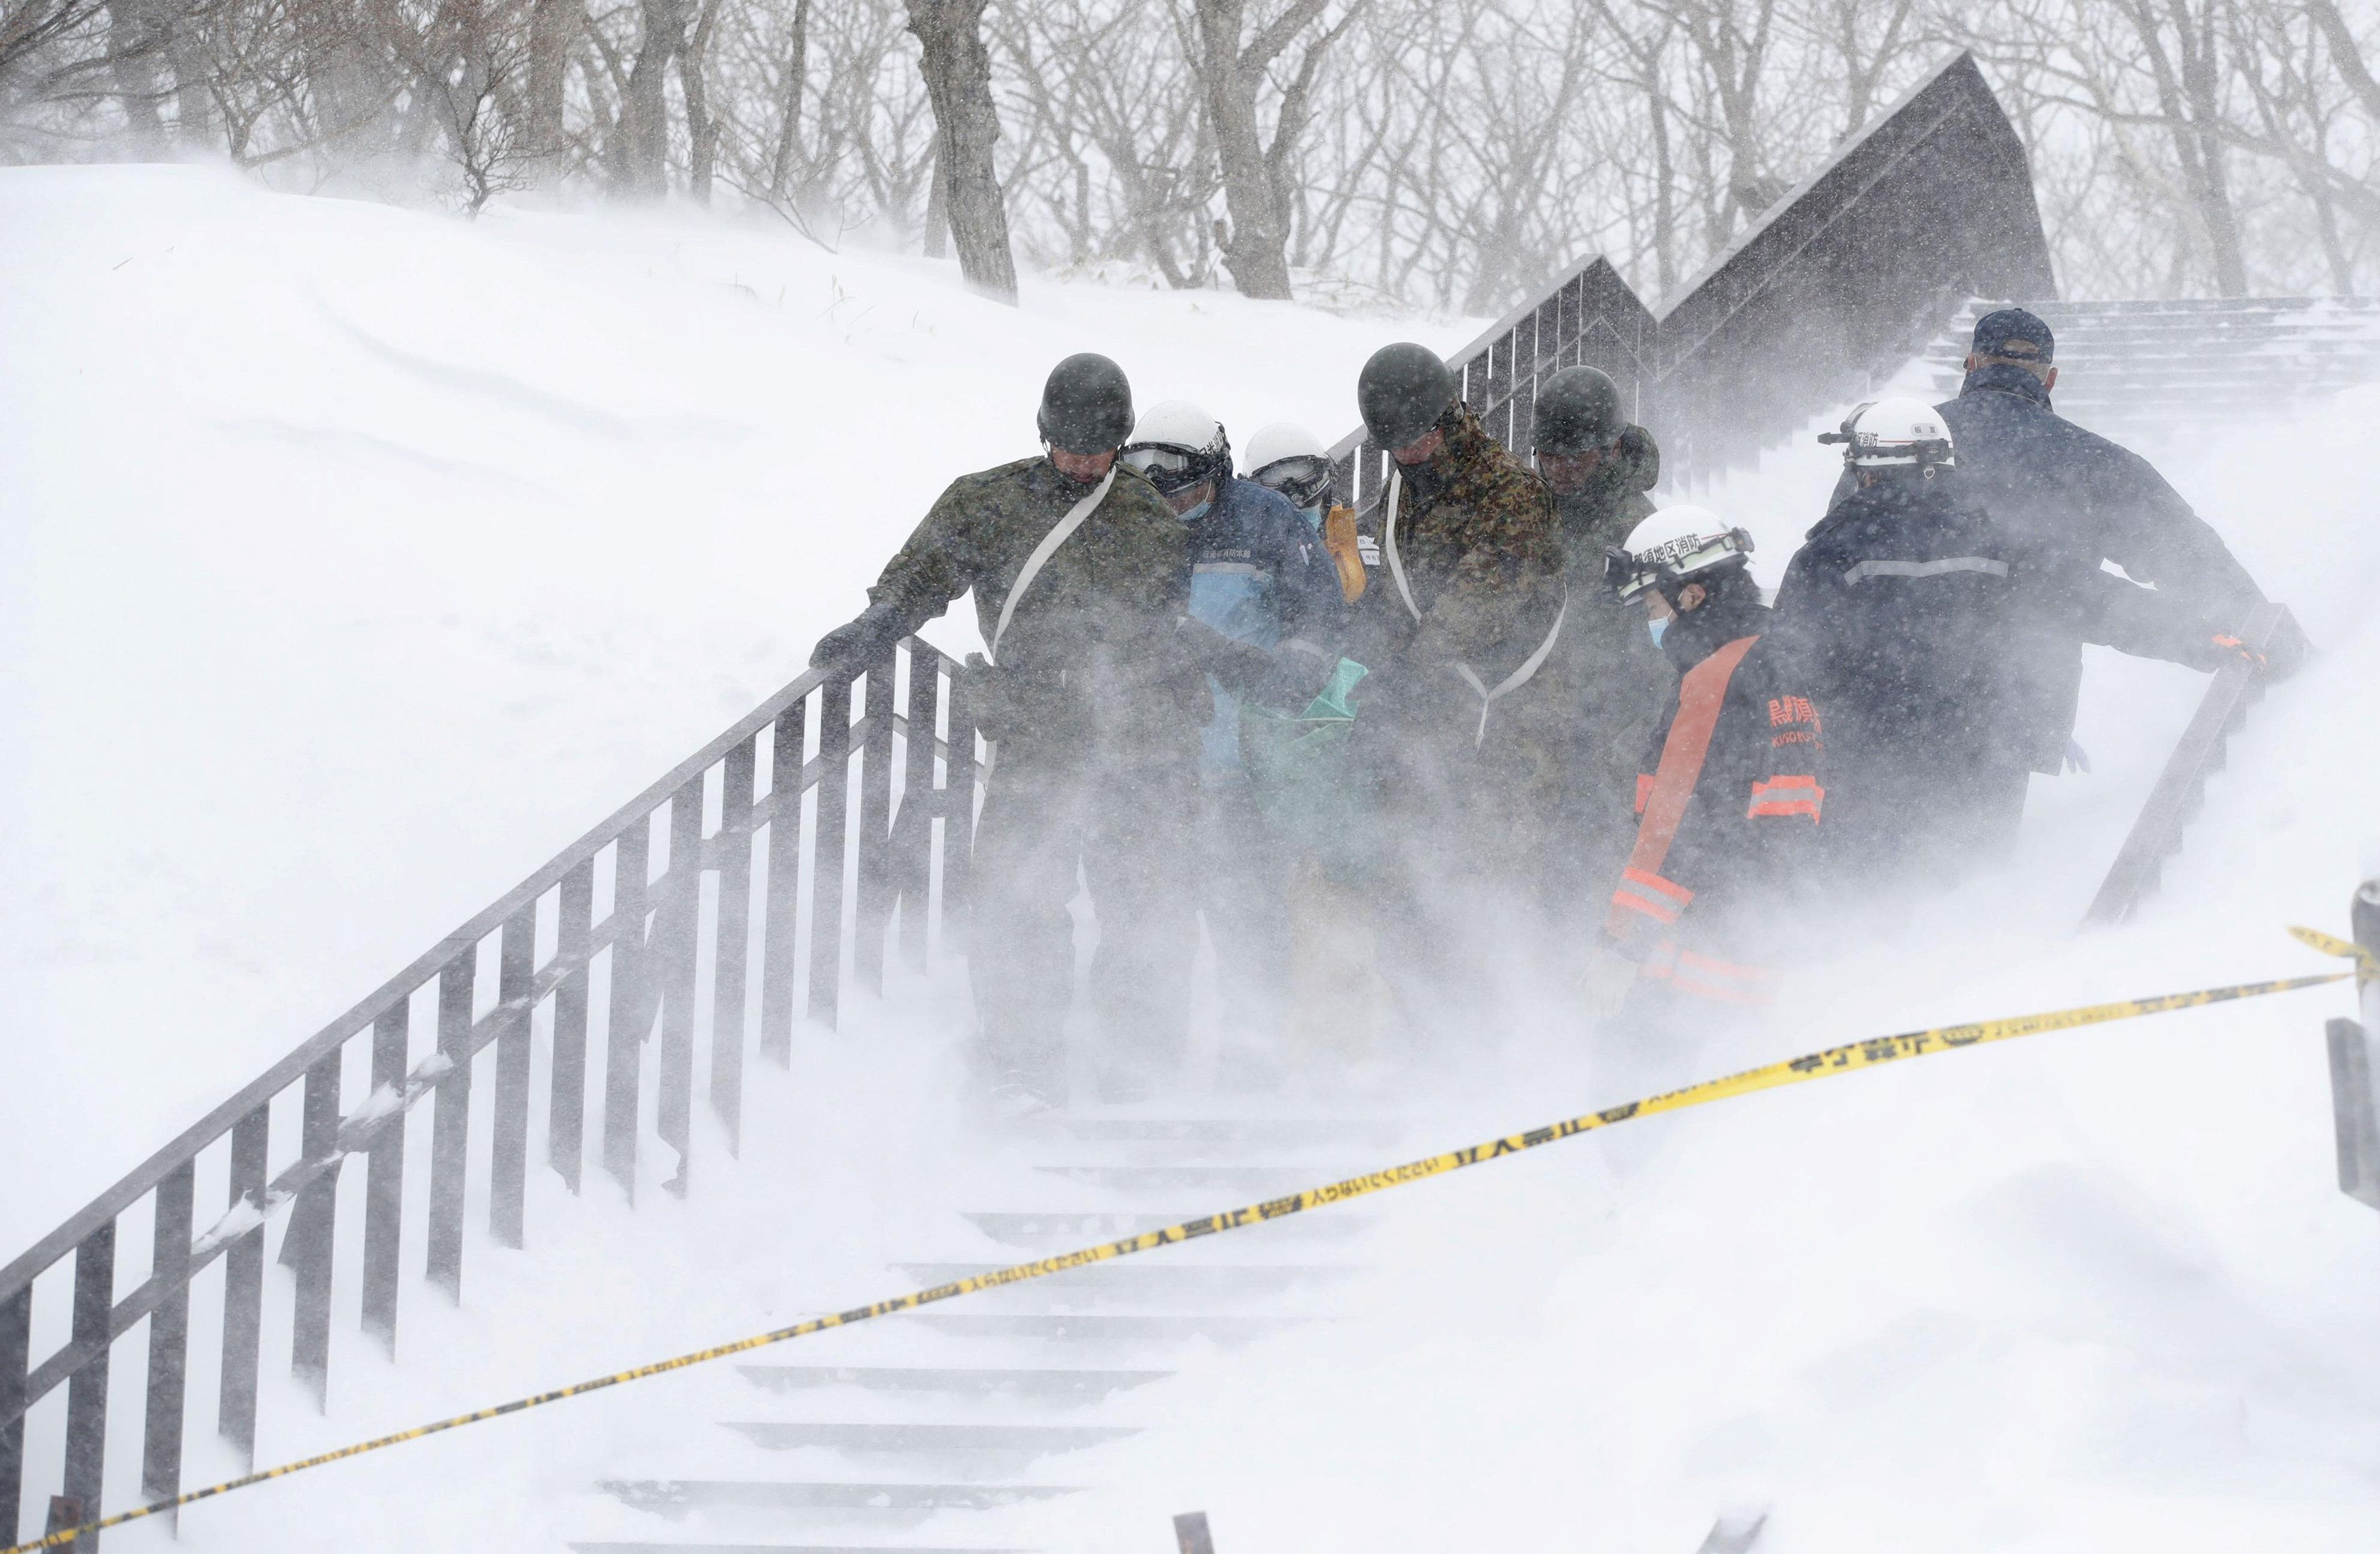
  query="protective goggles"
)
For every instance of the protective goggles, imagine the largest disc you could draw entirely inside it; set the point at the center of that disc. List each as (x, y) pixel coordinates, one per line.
(1169, 468)
(1632, 575)
(1305, 478)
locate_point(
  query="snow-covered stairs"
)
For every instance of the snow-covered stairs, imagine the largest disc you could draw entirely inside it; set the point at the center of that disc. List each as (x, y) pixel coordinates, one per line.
(1001, 1399)
(2142, 371)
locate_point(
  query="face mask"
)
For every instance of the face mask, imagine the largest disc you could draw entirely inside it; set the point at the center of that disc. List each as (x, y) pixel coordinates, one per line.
(1313, 516)
(1194, 514)
(1657, 628)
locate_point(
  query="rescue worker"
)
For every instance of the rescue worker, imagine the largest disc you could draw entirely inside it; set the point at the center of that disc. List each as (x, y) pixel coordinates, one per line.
(1287, 458)
(1453, 748)
(1599, 466)
(1260, 577)
(1093, 700)
(1902, 600)
(2070, 500)
(1729, 809)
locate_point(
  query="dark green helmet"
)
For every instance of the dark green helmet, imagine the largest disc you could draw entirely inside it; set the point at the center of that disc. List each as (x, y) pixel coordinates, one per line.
(1578, 409)
(1086, 406)
(1401, 392)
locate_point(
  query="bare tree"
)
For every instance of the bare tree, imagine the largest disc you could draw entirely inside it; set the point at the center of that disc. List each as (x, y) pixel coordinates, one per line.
(966, 121)
(1256, 248)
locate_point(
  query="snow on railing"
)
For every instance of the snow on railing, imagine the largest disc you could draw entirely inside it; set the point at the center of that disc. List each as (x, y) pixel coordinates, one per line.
(793, 897)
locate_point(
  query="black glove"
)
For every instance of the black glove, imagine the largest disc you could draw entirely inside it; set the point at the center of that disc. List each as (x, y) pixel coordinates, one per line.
(863, 640)
(987, 693)
(1237, 664)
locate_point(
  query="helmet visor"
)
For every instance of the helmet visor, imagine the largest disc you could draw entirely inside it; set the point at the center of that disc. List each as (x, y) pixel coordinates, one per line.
(1169, 468)
(1305, 478)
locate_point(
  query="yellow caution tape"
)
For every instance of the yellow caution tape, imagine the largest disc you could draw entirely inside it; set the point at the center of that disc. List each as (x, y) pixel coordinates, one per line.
(2367, 965)
(1865, 1054)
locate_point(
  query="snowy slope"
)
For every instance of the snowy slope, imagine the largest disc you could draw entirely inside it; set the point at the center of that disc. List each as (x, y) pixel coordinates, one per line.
(358, 559)
(2092, 1291)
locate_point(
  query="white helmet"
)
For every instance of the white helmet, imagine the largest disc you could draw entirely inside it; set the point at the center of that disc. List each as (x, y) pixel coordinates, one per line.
(1286, 457)
(1177, 444)
(1675, 545)
(1901, 430)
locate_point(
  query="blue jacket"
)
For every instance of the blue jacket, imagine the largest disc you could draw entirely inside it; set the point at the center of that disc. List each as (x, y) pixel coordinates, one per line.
(1259, 575)
(2068, 499)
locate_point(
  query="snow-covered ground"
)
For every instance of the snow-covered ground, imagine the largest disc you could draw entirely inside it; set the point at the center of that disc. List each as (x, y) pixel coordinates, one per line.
(358, 559)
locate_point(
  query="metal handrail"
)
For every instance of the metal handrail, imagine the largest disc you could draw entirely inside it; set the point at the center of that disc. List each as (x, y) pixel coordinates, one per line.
(651, 934)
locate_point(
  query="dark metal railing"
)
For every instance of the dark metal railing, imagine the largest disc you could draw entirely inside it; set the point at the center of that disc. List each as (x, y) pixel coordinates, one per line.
(602, 953)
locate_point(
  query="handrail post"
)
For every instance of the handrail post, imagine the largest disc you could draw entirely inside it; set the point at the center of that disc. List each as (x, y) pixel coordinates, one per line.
(623, 1046)
(565, 1113)
(677, 938)
(781, 917)
(94, 1295)
(874, 896)
(2355, 1065)
(243, 1313)
(306, 1246)
(169, 1340)
(827, 845)
(16, 1358)
(450, 1128)
(384, 1183)
(736, 779)
(508, 1159)
(912, 845)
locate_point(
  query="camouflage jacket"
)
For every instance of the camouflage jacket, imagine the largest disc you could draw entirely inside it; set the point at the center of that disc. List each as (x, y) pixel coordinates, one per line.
(1093, 644)
(1612, 504)
(1614, 676)
(1474, 533)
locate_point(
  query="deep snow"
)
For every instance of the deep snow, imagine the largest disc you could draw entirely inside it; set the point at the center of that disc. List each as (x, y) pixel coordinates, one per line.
(358, 559)
(341, 536)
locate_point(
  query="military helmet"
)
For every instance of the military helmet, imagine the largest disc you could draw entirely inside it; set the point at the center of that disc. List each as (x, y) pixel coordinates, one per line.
(1086, 406)
(1401, 392)
(1578, 410)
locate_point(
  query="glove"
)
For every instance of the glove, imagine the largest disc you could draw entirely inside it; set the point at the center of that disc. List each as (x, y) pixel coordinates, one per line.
(2077, 757)
(2226, 652)
(861, 641)
(989, 694)
(1242, 667)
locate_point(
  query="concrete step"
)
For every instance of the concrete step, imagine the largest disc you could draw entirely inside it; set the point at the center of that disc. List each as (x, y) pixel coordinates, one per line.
(1047, 1383)
(967, 1452)
(1105, 1330)
(784, 1549)
(1218, 1132)
(679, 1496)
(1156, 1279)
(1066, 1230)
(1239, 1185)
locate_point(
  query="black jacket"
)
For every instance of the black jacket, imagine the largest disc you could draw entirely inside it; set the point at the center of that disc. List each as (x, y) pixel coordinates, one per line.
(1904, 604)
(1706, 902)
(2068, 499)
